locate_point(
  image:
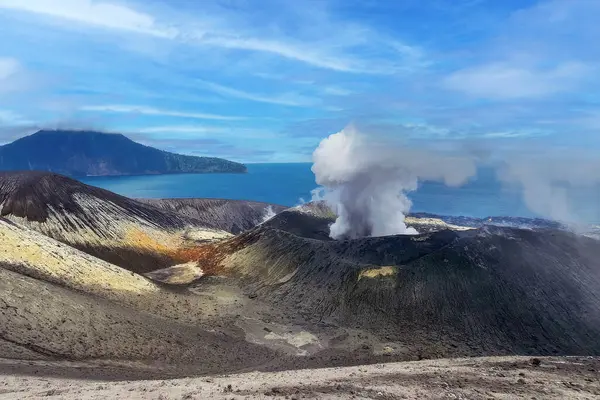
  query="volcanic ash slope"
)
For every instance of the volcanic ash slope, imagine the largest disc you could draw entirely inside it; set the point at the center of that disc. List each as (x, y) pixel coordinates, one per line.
(57, 302)
(122, 231)
(232, 216)
(492, 290)
(280, 295)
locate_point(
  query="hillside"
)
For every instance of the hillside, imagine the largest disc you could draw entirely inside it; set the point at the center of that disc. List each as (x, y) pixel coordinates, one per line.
(88, 153)
(120, 230)
(233, 216)
(81, 266)
(57, 302)
(486, 291)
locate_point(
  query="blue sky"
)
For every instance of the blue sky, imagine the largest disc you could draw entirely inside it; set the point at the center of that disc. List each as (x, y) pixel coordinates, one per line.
(266, 80)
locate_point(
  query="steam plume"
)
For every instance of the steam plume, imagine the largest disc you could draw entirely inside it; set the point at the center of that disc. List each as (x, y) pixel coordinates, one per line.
(269, 213)
(365, 181)
(550, 186)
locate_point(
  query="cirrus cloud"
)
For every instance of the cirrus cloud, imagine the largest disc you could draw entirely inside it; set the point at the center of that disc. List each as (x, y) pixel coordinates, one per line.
(504, 81)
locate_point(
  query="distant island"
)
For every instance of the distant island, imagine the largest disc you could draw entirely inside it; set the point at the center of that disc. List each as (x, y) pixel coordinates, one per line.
(89, 153)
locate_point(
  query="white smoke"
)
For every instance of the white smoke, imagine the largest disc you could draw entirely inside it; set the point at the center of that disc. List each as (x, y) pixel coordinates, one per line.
(269, 213)
(365, 181)
(550, 186)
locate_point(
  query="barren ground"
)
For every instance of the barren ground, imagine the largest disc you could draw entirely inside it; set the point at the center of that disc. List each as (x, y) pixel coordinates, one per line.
(100, 299)
(475, 378)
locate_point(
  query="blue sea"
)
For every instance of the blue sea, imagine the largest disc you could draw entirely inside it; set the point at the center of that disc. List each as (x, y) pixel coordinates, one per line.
(291, 184)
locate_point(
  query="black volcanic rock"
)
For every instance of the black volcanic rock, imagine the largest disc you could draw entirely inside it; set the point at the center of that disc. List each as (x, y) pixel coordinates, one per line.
(301, 224)
(82, 153)
(234, 216)
(492, 290)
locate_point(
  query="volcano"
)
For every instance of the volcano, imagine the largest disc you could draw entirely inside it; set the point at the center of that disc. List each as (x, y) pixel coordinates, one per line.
(195, 286)
(141, 236)
(491, 290)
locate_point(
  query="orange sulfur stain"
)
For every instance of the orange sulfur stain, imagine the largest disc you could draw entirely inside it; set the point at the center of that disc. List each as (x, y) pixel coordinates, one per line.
(208, 256)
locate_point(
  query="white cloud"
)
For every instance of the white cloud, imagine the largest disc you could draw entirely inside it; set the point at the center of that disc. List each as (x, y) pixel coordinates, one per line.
(290, 51)
(336, 91)
(197, 130)
(8, 117)
(538, 51)
(414, 57)
(133, 109)
(312, 83)
(590, 119)
(287, 99)
(181, 129)
(505, 81)
(13, 77)
(8, 67)
(97, 13)
(514, 134)
(321, 41)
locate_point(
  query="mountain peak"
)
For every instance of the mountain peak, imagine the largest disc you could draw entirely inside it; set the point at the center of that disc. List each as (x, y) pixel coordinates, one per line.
(85, 133)
(88, 152)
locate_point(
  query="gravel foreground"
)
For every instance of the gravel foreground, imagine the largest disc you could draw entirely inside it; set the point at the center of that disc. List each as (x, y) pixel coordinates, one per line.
(474, 378)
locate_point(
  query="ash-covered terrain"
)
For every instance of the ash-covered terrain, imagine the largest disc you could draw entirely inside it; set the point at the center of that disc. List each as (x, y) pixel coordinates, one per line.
(100, 286)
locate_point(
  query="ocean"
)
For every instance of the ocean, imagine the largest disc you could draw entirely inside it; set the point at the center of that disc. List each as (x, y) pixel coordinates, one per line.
(291, 184)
